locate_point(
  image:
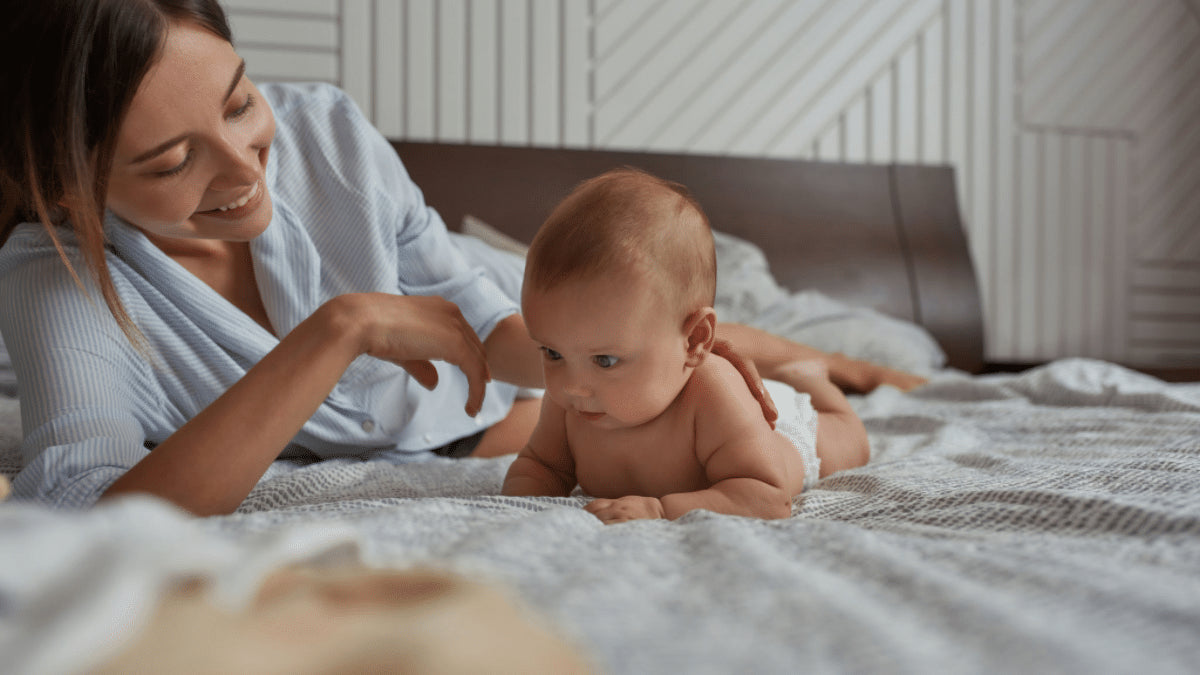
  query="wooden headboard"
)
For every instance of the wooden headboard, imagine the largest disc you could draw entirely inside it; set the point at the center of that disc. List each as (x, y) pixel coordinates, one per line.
(887, 237)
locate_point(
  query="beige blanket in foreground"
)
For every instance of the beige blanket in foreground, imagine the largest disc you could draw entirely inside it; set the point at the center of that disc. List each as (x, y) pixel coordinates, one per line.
(349, 620)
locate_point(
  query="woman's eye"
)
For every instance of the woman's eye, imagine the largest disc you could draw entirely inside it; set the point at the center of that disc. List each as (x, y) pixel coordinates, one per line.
(604, 360)
(245, 108)
(178, 168)
(551, 355)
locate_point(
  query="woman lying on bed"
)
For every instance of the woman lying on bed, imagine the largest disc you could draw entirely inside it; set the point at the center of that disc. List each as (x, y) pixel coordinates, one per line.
(242, 248)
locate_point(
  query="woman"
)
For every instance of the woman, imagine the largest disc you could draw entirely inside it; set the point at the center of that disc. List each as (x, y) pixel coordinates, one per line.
(249, 272)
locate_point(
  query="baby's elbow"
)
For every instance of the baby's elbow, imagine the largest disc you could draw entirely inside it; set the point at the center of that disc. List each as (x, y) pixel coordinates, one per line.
(780, 509)
(527, 477)
(777, 504)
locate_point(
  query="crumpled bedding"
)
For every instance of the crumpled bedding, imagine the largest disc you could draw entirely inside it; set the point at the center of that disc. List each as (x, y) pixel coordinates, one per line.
(1041, 522)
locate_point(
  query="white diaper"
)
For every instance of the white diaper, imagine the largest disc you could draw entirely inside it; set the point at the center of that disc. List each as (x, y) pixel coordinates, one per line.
(798, 423)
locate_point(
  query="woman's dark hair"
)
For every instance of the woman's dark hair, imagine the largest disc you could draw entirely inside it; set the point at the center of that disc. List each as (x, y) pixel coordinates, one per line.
(71, 69)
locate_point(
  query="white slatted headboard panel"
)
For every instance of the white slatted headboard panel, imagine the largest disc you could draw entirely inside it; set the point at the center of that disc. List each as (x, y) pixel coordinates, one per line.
(1074, 125)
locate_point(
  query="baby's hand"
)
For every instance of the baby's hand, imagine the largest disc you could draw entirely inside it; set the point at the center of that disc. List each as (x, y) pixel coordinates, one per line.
(632, 507)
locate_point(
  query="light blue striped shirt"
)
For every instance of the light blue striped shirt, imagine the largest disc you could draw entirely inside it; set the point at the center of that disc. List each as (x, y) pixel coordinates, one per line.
(347, 218)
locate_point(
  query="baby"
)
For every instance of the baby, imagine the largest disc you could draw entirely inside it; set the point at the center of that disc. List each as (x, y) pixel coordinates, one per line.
(644, 409)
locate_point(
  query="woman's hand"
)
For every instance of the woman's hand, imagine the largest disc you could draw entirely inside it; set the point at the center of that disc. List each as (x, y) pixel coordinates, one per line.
(413, 330)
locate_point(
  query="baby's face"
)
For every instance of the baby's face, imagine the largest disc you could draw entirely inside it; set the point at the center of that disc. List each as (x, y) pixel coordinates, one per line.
(613, 354)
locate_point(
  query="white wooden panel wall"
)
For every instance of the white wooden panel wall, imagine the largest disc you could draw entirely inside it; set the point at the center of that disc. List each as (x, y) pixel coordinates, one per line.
(1074, 125)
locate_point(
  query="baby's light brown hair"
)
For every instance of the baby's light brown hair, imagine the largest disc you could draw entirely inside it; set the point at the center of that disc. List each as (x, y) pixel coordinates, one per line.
(628, 221)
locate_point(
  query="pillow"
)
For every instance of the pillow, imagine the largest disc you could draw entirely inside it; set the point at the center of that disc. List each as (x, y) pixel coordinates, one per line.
(745, 285)
(505, 269)
(814, 319)
(748, 293)
(8, 377)
(474, 227)
(10, 437)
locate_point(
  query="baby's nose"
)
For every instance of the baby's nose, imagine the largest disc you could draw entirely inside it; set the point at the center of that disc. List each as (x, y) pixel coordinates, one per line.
(577, 388)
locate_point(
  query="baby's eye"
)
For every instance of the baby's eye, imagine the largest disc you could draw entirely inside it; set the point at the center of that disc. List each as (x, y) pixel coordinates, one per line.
(604, 360)
(550, 354)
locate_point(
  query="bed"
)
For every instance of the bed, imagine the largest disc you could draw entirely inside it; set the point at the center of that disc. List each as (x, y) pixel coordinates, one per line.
(1040, 521)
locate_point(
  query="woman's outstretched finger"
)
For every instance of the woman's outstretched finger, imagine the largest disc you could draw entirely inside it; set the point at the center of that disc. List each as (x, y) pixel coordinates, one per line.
(422, 371)
(478, 376)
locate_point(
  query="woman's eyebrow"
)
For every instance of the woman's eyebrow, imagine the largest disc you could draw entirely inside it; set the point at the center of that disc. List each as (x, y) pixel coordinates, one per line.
(167, 145)
(237, 77)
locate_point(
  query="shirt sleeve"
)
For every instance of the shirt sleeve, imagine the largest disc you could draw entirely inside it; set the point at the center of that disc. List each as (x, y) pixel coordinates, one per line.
(427, 261)
(430, 264)
(79, 379)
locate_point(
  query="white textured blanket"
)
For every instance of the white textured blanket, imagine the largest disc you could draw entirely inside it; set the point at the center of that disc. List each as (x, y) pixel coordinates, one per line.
(1042, 522)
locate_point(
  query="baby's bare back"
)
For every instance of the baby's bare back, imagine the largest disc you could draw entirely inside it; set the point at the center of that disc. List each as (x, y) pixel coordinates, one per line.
(667, 455)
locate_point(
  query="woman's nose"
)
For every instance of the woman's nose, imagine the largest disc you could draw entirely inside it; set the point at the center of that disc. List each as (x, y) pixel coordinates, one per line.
(241, 161)
(240, 168)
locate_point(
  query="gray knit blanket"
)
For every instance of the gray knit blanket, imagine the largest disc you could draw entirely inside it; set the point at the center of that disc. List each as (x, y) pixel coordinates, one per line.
(1047, 522)
(1044, 522)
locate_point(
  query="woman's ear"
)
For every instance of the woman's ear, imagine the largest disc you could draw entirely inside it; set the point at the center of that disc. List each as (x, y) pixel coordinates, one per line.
(701, 330)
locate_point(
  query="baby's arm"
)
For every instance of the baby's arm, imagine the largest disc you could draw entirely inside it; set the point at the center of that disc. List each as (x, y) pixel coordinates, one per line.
(841, 437)
(740, 453)
(545, 465)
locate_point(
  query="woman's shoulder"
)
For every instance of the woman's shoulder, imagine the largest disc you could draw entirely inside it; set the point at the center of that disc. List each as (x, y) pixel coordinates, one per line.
(36, 285)
(312, 113)
(322, 137)
(30, 245)
(299, 98)
(46, 310)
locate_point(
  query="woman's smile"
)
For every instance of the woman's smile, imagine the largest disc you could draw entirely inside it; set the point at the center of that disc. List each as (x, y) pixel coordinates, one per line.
(240, 207)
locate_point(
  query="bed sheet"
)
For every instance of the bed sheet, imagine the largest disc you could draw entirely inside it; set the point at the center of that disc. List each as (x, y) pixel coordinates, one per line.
(1042, 522)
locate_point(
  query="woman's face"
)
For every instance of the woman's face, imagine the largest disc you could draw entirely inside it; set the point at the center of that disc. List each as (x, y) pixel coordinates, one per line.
(191, 154)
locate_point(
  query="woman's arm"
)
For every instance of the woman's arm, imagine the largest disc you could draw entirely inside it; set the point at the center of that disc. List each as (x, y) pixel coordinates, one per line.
(213, 461)
(772, 353)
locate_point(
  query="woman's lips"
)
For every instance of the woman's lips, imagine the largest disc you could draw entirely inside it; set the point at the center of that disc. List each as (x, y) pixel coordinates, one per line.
(239, 207)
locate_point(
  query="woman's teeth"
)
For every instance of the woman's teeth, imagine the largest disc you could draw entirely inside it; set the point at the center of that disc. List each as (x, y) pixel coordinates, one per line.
(241, 202)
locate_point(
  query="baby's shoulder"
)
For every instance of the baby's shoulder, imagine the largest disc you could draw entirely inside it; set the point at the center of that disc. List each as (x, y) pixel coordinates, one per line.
(716, 371)
(719, 393)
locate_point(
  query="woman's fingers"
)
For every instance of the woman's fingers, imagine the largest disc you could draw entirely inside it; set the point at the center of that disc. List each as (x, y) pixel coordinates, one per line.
(478, 376)
(422, 371)
(414, 330)
(469, 354)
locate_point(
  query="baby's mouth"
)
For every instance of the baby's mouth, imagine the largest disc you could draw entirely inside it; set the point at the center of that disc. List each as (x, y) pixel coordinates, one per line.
(590, 416)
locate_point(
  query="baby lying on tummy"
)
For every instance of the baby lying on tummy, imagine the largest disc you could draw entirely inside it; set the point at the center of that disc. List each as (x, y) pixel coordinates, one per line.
(644, 409)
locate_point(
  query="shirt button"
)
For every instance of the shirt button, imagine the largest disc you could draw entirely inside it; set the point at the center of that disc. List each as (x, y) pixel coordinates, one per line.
(428, 438)
(368, 426)
(478, 422)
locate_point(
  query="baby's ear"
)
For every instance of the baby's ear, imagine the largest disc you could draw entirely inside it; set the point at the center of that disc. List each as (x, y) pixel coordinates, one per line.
(701, 330)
